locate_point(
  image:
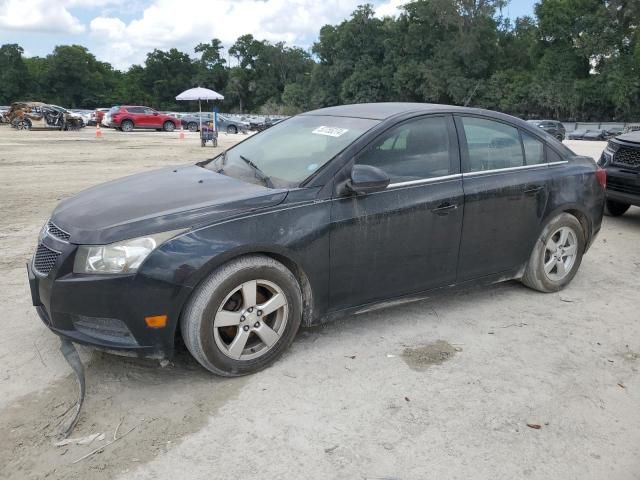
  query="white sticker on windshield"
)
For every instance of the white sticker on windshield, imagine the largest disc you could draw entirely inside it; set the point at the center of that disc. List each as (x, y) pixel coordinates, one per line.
(330, 131)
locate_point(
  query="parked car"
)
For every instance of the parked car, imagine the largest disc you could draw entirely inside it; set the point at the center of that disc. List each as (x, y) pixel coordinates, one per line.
(88, 116)
(100, 113)
(4, 110)
(613, 132)
(631, 127)
(598, 135)
(130, 117)
(38, 115)
(587, 134)
(330, 213)
(552, 127)
(225, 123)
(621, 160)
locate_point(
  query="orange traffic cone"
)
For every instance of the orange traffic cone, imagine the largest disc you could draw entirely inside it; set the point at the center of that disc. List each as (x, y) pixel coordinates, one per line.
(181, 133)
(98, 131)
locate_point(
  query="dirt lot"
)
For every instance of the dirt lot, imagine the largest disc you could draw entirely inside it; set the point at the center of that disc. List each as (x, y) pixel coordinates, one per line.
(442, 388)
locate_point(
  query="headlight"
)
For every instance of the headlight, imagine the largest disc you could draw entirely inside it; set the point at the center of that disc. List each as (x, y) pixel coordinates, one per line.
(120, 257)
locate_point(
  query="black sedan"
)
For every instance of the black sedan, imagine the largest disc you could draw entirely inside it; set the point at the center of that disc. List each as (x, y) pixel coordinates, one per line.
(330, 213)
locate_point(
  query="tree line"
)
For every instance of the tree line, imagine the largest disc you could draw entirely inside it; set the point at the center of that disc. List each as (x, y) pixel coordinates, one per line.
(574, 60)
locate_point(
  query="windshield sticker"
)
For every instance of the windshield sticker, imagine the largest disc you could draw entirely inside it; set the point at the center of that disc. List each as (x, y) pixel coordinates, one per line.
(330, 131)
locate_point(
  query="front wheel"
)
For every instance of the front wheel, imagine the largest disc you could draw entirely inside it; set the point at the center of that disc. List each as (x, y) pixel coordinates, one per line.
(615, 209)
(126, 126)
(23, 124)
(192, 126)
(243, 317)
(232, 129)
(556, 256)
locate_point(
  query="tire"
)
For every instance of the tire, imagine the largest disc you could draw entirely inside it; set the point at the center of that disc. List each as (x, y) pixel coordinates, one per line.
(193, 127)
(544, 271)
(169, 126)
(560, 137)
(24, 124)
(213, 346)
(615, 209)
(126, 125)
(232, 129)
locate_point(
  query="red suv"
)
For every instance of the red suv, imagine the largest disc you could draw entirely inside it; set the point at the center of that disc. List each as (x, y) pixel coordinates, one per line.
(128, 117)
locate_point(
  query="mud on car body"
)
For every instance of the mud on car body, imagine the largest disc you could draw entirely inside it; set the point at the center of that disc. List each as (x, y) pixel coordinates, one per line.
(329, 213)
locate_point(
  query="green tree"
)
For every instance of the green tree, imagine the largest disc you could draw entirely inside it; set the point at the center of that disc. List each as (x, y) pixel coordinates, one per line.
(13, 73)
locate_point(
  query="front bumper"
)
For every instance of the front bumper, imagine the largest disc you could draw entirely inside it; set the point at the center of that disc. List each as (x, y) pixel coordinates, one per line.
(623, 185)
(106, 311)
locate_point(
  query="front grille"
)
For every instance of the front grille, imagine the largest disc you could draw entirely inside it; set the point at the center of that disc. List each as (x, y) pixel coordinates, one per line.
(620, 186)
(44, 260)
(627, 157)
(57, 232)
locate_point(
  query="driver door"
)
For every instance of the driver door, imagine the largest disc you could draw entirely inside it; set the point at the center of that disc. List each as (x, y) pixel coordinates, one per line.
(403, 239)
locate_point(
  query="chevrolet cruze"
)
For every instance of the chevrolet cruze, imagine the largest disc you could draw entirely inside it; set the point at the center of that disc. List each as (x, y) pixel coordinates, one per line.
(330, 213)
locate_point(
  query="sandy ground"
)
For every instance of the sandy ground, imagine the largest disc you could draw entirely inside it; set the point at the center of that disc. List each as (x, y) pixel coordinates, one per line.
(442, 388)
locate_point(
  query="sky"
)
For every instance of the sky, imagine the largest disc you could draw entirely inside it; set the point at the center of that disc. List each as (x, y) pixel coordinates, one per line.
(122, 32)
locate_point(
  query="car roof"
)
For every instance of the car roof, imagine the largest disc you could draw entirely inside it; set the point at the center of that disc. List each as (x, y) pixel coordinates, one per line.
(385, 110)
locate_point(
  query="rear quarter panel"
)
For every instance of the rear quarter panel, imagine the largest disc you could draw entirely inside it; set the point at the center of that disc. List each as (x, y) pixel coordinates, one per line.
(573, 187)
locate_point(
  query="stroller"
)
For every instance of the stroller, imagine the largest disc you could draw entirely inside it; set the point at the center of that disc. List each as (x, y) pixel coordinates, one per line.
(208, 134)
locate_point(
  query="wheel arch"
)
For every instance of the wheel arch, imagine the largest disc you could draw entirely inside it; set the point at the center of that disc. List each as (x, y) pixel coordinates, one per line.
(283, 257)
(577, 211)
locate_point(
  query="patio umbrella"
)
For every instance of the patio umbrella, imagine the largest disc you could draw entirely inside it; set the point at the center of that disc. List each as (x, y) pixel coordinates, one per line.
(199, 94)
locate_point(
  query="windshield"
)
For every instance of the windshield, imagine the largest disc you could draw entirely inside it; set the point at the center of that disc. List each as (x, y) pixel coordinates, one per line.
(288, 153)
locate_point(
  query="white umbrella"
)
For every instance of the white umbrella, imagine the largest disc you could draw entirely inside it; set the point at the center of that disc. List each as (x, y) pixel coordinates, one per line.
(199, 94)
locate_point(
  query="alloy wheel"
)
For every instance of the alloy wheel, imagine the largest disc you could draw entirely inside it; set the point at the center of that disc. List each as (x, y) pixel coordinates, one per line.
(560, 253)
(251, 320)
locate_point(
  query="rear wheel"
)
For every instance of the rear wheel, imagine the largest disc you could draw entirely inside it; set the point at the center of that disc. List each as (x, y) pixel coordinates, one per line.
(192, 126)
(556, 256)
(615, 209)
(126, 126)
(243, 317)
(169, 126)
(232, 129)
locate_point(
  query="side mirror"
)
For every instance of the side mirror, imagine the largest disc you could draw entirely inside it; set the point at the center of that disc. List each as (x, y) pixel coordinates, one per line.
(367, 179)
(155, 114)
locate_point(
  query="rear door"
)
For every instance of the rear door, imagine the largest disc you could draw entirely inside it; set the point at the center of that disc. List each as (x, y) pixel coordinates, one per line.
(404, 239)
(505, 194)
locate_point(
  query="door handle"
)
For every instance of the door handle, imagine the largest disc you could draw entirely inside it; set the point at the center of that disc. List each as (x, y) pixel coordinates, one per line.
(444, 208)
(533, 189)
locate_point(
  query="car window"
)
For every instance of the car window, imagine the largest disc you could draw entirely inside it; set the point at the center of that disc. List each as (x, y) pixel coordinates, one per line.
(149, 111)
(533, 149)
(552, 156)
(135, 110)
(289, 152)
(491, 145)
(411, 151)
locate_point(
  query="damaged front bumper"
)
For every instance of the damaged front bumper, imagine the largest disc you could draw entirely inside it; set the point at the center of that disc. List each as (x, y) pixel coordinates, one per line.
(106, 312)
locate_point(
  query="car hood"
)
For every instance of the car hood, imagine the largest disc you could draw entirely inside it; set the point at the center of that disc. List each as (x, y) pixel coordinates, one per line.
(158, 201)
(632, 137)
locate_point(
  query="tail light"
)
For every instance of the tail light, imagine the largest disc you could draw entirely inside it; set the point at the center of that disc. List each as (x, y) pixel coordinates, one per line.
(601, 175)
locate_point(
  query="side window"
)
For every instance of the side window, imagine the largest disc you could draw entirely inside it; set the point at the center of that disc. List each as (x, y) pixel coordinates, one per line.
(492, 145)
(414, 150)
(135, 110)
(149, 111)
(552, 156)
(533, 149)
